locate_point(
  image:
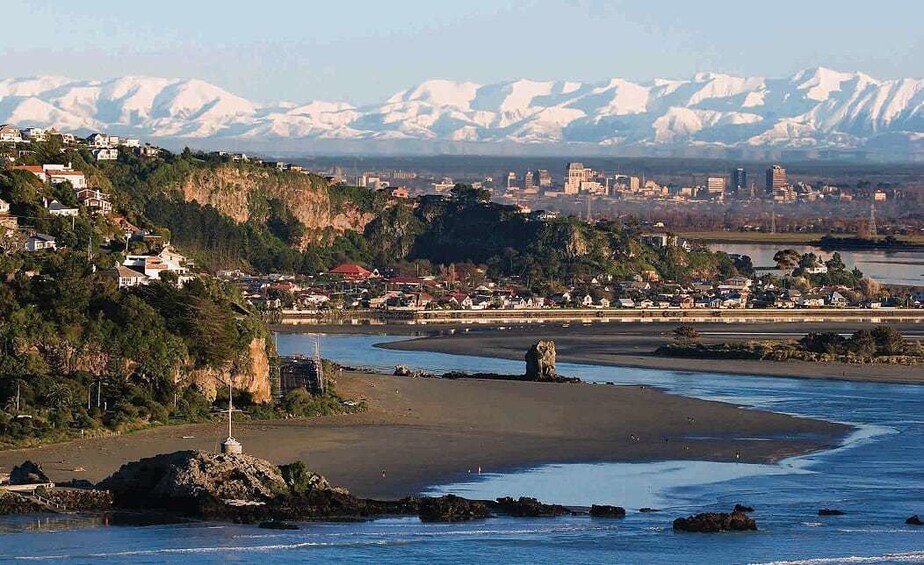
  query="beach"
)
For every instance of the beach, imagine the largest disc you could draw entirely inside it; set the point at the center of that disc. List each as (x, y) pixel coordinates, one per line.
(422, 432)
(633, 345)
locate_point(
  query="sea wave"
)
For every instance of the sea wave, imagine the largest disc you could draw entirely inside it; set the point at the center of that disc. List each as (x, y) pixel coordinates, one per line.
(908, 557)
(206, 550)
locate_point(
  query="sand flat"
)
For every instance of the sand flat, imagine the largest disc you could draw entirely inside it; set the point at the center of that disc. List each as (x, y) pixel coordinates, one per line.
(422, 432)
(633, 344)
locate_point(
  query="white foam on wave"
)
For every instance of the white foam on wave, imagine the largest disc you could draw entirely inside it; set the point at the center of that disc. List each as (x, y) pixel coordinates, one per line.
(908, 557)
(207, 550)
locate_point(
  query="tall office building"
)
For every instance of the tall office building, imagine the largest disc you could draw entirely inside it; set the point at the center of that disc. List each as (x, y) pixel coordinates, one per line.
(528, 180)
(715, 186)
(574, 176)
(776, 178)
(739, 180)
(545, 179)
(512, 181)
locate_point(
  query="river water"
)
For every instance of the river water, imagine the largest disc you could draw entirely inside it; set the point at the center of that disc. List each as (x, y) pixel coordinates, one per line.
(892, 267)
(877, 477)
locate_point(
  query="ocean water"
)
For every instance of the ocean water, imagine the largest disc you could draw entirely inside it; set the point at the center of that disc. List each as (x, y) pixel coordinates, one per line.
(877, 477)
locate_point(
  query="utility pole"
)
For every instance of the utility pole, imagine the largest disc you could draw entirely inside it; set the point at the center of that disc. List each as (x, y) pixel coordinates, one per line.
(872, 221)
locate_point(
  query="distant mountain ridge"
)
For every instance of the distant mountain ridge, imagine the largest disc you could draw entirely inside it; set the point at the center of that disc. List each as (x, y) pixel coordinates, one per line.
(815, 108)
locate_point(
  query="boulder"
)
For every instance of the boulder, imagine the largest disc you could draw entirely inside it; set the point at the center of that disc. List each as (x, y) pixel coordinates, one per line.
(708, 522)
(451, 508)
(830, 512)
(540, 361)
(402, 371)
(646, 510)
(184, 479)
(605, 511)
(743, 508)
(527, 507)
(914, 521)
(28, 473)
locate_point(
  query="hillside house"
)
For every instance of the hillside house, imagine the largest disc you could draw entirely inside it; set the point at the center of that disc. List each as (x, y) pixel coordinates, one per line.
(95, 200)
(40, 241)
(127, 278)
(102, 141)
(56, 208)
(77, 179)
(33, 134)
(10, 134)
(106, 154)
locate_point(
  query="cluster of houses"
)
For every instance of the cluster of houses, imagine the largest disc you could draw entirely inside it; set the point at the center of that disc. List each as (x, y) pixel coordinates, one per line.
(351, 286)
(102, 146)
(95, 200)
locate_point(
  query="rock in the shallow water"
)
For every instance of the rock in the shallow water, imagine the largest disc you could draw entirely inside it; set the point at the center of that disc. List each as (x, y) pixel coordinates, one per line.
(708, 522)
(540, 361)
(830, 512)
(647, 509)
(743, 508)
(605, 511)
(914, 521)
(451, 508)
(182, 480)
(527, 507)
(402, 371)
(277, 525)
(28, 473)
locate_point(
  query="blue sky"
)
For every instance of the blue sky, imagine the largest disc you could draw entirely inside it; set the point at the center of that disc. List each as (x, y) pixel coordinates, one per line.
(365, 51)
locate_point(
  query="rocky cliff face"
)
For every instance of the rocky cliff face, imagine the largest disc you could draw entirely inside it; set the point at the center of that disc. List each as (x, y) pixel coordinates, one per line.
(252, 375)
(241, 192)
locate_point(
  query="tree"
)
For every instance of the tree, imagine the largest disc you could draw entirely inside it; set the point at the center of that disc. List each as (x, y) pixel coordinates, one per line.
(786, 259)
(685, 333)
(835, 263)
(468, 194)
(889, 341)
(863, 344)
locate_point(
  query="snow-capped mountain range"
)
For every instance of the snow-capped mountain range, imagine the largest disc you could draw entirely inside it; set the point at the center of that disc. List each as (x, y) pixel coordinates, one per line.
(816, 108)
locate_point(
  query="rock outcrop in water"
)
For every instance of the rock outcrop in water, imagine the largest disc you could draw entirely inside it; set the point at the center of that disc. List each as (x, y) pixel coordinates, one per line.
(914, 521)
(451, 508)
(184, 479)
(709, 522)
(830, 512)
(28, 473)
(527, 507)
(606, 511)
(540, 361)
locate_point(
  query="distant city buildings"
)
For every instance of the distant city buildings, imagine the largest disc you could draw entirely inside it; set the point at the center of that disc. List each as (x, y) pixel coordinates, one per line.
(576, 174)
(715, 187)
(776, 178)
(528, 182)
(545, 179)
(512, 181)
(739, 181)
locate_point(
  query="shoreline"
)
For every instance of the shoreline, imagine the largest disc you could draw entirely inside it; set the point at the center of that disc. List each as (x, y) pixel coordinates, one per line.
(632, 345)
(428, 432)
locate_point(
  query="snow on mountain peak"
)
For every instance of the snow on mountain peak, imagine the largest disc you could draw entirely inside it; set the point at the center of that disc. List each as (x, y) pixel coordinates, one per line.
(816, 106)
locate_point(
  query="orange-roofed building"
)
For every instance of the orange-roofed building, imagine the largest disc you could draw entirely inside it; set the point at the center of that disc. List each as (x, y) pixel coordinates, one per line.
(352, 272)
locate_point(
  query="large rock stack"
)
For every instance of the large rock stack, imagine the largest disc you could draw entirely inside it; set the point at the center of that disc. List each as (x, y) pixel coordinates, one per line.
(540, 361)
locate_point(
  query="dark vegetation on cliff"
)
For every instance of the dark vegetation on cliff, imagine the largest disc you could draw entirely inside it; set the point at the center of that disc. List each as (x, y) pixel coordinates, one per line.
(79, 356)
